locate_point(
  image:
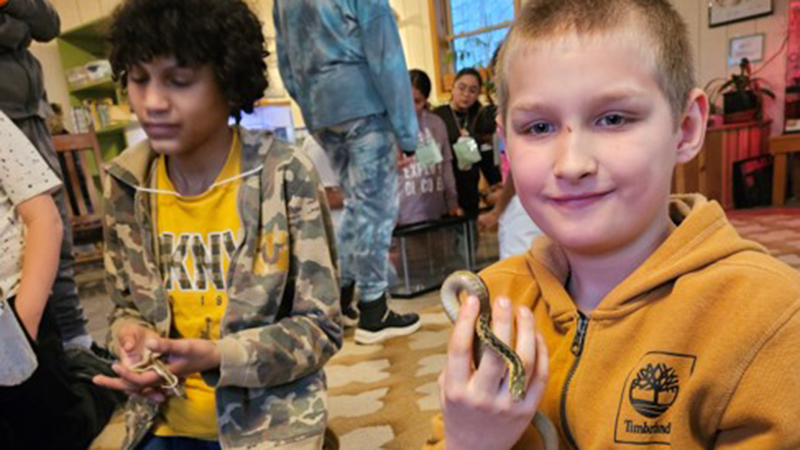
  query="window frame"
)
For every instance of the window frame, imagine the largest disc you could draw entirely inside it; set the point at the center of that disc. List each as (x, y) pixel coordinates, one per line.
(442, 37)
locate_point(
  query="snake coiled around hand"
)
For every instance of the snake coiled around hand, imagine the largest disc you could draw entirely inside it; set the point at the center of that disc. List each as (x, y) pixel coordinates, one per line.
(152, 361)
(463, 281)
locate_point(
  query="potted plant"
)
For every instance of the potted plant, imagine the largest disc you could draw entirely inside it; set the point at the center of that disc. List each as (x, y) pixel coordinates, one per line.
(742, 95)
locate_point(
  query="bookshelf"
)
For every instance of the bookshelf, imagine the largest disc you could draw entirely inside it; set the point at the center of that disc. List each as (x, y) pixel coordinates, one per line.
(84, 52)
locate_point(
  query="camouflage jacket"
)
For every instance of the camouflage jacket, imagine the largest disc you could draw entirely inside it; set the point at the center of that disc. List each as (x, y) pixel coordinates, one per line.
(282, 322)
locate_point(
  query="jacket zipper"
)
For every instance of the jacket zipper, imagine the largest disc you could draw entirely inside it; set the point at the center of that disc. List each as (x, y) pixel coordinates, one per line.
(577, 351)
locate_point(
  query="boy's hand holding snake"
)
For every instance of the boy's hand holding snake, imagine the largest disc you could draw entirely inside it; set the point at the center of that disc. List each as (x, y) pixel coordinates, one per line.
(483, 408)
(141, 370)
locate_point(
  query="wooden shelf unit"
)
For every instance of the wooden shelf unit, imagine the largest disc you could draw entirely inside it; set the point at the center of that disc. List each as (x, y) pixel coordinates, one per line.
(77, 47)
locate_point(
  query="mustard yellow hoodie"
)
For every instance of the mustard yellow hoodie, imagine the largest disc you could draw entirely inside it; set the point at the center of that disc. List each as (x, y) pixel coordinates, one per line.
(699, 348)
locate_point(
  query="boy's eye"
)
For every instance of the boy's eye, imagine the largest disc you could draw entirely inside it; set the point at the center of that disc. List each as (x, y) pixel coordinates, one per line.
(137, 78)
(612, 120)
(182, 81)
(541, 128)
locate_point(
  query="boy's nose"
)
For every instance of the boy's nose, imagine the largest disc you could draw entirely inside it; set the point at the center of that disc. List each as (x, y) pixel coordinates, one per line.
(574, 159)
(155, 100)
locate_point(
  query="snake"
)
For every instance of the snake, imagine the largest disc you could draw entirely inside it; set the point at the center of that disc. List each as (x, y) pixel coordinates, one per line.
(152, 361)
(465, 282)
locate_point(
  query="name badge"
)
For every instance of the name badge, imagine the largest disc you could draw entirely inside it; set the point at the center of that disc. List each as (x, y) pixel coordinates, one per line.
(428, 153)
(467, 152)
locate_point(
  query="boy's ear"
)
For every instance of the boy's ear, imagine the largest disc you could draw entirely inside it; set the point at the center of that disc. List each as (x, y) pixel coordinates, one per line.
(693, 126)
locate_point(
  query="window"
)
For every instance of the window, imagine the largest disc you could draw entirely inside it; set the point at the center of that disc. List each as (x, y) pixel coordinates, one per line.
(467, 33)
(478, 27)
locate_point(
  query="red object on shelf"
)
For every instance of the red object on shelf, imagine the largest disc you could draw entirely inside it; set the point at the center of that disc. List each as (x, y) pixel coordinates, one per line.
(792, 101)
(711, 172)
(740, 141)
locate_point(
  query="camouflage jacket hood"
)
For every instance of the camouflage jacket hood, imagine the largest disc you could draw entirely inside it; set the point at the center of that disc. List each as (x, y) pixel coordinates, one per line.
(282, 322)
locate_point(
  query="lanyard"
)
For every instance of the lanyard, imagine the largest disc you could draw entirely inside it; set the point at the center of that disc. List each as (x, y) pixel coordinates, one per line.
(458, 122)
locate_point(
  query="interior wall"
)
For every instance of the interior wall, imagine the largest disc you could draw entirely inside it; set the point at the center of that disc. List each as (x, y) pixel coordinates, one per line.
(710, 46)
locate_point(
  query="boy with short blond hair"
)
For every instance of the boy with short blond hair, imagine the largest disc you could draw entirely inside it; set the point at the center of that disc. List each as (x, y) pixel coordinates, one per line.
(653, 325)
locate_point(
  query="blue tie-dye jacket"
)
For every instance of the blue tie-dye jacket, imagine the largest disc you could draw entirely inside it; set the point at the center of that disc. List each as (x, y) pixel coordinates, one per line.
(341, 60)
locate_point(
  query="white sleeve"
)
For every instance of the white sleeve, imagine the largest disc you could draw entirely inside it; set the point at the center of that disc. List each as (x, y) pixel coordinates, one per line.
(23, 172)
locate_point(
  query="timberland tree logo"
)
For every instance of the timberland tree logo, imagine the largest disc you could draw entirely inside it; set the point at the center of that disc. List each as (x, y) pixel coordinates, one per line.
(651, 389)
(654, 390)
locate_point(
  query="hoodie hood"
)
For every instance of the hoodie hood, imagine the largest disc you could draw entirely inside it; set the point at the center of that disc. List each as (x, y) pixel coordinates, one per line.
(703, 236)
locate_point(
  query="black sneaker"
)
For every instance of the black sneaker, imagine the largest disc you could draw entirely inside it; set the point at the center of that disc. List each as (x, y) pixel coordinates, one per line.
(379, 323)
(350, 317)
(349, 312)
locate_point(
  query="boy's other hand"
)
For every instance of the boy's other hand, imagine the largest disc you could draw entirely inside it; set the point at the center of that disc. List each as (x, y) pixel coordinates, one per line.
(477, 406)
(131, 340)
(186, 356)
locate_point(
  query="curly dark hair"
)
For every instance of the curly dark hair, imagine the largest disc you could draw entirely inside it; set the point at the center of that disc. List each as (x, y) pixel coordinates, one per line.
(223, 33)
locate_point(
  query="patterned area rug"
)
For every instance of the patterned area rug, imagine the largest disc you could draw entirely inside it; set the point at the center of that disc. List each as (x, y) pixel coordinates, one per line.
(384, 396)
(776, 229)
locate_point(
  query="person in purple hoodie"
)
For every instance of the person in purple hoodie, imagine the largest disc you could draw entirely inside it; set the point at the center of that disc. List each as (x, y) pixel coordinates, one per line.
(427, 190)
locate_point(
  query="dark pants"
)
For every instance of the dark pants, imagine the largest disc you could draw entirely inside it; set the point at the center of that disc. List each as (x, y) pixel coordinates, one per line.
(64, 299)
(58, 407)
(176, 443)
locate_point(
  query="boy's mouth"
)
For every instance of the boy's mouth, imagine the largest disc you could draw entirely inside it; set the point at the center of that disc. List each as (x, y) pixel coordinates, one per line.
(160, 130)
(578, 200)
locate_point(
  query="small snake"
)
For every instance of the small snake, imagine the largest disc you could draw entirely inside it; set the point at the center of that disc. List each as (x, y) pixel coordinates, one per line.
(152, 361)
(463, 281)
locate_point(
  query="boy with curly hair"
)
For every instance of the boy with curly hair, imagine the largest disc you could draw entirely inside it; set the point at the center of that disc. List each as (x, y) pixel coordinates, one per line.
(220, 254)
(659, 326)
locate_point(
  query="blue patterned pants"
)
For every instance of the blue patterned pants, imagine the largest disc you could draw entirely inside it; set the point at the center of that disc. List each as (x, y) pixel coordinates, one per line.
(362, 152)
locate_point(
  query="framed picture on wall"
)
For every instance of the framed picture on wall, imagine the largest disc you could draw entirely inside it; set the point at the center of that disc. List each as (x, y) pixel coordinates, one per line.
(750, 47)
(723, 12)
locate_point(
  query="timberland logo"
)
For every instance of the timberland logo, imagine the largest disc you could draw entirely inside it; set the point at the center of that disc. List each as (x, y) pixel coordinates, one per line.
(650, 391)
(654, 390)
(645, 428)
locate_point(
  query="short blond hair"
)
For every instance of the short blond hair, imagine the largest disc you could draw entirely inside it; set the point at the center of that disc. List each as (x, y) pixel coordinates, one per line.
(665, 30)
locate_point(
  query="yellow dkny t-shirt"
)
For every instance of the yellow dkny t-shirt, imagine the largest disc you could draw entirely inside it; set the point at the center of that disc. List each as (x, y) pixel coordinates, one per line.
(197, 236)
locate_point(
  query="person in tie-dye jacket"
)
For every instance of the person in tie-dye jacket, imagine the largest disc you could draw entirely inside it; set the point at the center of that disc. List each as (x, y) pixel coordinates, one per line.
(342, 61)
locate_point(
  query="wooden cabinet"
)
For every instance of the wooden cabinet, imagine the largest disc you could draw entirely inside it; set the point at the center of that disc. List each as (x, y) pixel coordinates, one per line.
(711, 171)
